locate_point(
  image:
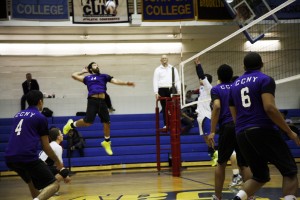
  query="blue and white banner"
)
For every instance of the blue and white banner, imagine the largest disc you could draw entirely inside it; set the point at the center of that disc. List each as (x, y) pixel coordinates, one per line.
(40, 10)
(100, 11)
(168, 10)
(3, 10)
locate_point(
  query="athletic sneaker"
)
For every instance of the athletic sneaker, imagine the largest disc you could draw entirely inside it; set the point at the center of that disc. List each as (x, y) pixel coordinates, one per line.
(214, 197)
(214, 159)
(236, 180)
(236, 198)
(67, 127)
(107, 147)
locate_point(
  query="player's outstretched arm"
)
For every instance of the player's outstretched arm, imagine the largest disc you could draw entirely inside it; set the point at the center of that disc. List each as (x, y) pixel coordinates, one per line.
(119, 82)
(79, 76)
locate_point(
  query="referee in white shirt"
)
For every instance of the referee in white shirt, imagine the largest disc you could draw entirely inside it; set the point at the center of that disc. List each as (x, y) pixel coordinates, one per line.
(162, 82)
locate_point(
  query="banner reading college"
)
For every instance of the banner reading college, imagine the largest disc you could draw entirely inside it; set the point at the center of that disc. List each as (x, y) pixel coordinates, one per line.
(47, 10)
(168, 10)
(100, 11)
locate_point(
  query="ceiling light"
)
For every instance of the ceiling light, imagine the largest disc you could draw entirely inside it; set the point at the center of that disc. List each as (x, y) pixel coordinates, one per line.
(84, 37)
(172, 36)
(263, 45)
(67, 49)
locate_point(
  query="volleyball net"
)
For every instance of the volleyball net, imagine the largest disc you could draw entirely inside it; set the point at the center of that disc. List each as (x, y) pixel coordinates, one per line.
(277, 41)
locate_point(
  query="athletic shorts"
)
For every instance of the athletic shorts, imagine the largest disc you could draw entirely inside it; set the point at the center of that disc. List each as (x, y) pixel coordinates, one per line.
(227, 144)
(36, 171)
(260, 146)
(204, 126)
(96, 106)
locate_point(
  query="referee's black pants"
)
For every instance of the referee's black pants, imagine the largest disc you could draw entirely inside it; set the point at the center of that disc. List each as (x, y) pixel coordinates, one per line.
(164, 92)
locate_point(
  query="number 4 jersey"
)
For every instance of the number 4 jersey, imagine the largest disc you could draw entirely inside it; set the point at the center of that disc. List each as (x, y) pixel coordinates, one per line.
(28, 126)
(245, 95)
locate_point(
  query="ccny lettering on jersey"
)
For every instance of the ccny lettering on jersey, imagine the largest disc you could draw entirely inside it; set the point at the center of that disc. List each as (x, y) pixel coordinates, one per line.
(25, 114)
(245, 80)
(225, 87)
(94, 7)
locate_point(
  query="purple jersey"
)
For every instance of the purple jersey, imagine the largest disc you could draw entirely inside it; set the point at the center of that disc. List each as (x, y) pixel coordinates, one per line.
(96, 83)
(245, 95)
(221, 92)
(29, 125)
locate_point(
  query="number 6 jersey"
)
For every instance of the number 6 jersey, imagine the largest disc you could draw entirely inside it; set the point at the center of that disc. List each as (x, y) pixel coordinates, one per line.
(245, 95)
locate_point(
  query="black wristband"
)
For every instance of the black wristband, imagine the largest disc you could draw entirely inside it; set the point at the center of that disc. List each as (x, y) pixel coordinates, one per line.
(64, 172)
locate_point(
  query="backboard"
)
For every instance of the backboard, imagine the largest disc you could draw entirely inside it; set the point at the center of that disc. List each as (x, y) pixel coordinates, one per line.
(245, 11)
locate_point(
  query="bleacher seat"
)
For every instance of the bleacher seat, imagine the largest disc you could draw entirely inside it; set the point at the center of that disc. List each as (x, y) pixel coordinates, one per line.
(133, 141)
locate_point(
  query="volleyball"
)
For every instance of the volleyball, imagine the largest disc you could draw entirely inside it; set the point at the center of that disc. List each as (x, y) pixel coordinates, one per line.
(110, 7)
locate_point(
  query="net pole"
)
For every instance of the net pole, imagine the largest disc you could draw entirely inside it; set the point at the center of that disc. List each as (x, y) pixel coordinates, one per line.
(183, 92)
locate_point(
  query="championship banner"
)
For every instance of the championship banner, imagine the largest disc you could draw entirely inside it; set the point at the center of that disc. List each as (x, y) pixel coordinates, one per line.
(168, 10)
(3, 10)
(100, 11)
(212, 10)
(46, 10)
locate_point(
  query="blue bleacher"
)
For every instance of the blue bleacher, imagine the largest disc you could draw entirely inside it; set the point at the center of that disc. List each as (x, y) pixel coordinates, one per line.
(133, 141)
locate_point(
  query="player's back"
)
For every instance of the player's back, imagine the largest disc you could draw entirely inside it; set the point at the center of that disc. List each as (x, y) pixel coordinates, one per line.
(25, 135)
(222, 92)
(246, 95)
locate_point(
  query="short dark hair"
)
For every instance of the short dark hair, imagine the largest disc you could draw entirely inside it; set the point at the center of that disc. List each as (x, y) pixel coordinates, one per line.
(225, 73)
(53, 134)
(33, 97)
(209, 77)
(90, 67)
(253, 61)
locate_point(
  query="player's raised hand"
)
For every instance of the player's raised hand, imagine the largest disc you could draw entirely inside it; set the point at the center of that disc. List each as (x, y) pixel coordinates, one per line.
(197, 61)
(85, 70)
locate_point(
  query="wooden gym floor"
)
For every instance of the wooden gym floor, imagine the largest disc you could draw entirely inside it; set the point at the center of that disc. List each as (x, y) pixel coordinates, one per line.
(141, 184)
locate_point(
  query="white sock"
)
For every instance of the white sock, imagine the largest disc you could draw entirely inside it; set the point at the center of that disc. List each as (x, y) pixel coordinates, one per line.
(290, 197)
(242, 194)
(106, 137)
(235, 171)
(74, 124)
(35, 199)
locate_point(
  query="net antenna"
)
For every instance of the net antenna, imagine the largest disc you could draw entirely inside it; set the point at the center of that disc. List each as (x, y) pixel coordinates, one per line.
(189, 65)
(245, 11)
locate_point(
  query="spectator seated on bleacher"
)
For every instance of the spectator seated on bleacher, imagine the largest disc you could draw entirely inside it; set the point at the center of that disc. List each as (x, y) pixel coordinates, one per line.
(187, 121)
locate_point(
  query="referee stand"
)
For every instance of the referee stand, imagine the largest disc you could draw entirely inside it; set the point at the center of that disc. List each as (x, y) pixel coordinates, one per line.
(173, 129)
